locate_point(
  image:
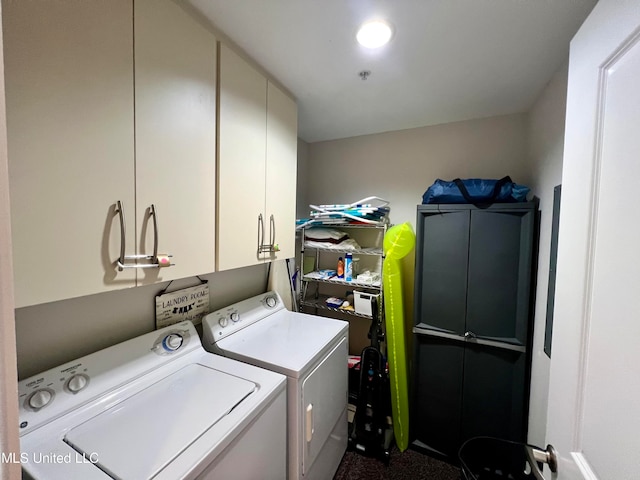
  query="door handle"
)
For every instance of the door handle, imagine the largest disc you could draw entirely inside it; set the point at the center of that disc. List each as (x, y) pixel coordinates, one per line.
(537, 456)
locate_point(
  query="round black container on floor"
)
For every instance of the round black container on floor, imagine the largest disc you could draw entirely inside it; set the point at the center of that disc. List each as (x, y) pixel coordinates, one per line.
(488, 458)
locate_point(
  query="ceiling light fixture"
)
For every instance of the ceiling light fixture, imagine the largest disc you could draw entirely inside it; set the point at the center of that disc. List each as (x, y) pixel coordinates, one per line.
(374, 34)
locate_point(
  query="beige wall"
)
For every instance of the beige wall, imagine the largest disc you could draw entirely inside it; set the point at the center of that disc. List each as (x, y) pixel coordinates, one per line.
(53, 333)
(546, 146)
(399, 166)
(302, 204)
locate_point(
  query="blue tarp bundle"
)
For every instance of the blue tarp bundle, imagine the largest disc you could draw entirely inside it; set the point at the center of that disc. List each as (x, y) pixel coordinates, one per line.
(475, 191)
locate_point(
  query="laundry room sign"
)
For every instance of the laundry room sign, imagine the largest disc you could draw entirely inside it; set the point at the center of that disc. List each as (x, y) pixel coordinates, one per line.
(186, 304)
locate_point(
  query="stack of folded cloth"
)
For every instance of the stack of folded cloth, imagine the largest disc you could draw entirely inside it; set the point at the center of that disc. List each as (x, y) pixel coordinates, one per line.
(319, 237)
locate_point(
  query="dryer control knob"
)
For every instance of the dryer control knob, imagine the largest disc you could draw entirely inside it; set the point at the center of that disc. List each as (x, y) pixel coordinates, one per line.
(172, 342)
(223, 322)
(271, 301)
(235, 317)
(77, 383)
(39, 399)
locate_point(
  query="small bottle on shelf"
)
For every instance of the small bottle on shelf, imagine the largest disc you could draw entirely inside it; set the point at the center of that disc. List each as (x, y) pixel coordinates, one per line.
(340, 269)
(348, 267)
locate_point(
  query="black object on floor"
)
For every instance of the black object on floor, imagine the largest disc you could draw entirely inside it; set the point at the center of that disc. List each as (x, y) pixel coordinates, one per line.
(487, 458)
(371, 434)
(408, 465)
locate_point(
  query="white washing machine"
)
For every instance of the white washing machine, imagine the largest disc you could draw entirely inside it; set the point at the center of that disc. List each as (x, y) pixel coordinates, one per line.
(157, 406)
(312, 352)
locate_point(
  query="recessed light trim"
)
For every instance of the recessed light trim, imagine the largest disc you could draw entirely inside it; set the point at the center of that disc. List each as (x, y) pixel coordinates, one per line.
(374, 34)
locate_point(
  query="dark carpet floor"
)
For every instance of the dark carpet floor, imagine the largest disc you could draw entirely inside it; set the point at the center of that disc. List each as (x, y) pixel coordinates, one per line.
(408, 465)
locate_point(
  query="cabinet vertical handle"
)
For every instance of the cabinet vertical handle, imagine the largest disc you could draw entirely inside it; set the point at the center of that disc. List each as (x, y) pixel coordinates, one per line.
(272, 231)
(156, 262)
(270, 247)
(152, 212)
(260, 233)
(120, 211)
(272, 235)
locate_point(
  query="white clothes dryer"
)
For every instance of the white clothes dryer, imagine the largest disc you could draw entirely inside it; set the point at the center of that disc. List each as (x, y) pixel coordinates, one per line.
(312, 352)
(155, 407)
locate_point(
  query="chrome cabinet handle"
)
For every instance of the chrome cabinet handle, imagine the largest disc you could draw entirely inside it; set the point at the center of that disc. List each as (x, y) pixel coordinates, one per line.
(152, 212)
(120, 211)
(260, 233)
(272, 231)
(156, 261)
(272, 235)
(270, 247)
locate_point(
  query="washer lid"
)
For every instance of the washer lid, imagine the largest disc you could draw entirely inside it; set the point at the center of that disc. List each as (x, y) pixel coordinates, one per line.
(285, 342)
(138, 437)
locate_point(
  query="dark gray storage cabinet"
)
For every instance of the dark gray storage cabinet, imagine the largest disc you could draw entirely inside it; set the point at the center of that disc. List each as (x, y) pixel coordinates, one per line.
(472, 323)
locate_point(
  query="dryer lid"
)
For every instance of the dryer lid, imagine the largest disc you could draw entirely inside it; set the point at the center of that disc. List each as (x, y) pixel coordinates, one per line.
(138, 437)
(285, 342)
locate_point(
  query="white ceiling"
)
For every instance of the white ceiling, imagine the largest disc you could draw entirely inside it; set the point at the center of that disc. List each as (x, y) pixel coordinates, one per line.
(449, 60)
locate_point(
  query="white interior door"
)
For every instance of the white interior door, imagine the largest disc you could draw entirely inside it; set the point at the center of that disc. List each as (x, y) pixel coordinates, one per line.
(594, 396)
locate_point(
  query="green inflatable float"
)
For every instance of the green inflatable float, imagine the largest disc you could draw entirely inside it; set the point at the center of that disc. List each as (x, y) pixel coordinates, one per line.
(398, 243)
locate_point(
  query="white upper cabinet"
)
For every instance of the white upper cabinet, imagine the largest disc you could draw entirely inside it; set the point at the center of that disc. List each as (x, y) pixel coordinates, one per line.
(241, 160)
(91, 122)
(257, 161)
(281, 177)
(69, 94)
(175, 120)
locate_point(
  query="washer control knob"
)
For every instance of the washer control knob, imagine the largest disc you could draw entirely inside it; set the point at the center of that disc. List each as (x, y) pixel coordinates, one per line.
(235, 317)
(77, 382)
(40, 399)
(223, 322)
(271, 301)
(172, 342)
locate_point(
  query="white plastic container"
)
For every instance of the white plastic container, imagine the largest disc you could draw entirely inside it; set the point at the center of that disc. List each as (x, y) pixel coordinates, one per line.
(362, 301)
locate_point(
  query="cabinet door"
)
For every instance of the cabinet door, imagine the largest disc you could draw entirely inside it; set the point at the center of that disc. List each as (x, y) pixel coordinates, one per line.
(69, 94)
(436, 412)
(494, 393)
(175, 104)
(282, 161)
(441, 270)
(499, 274)
(241, 161)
